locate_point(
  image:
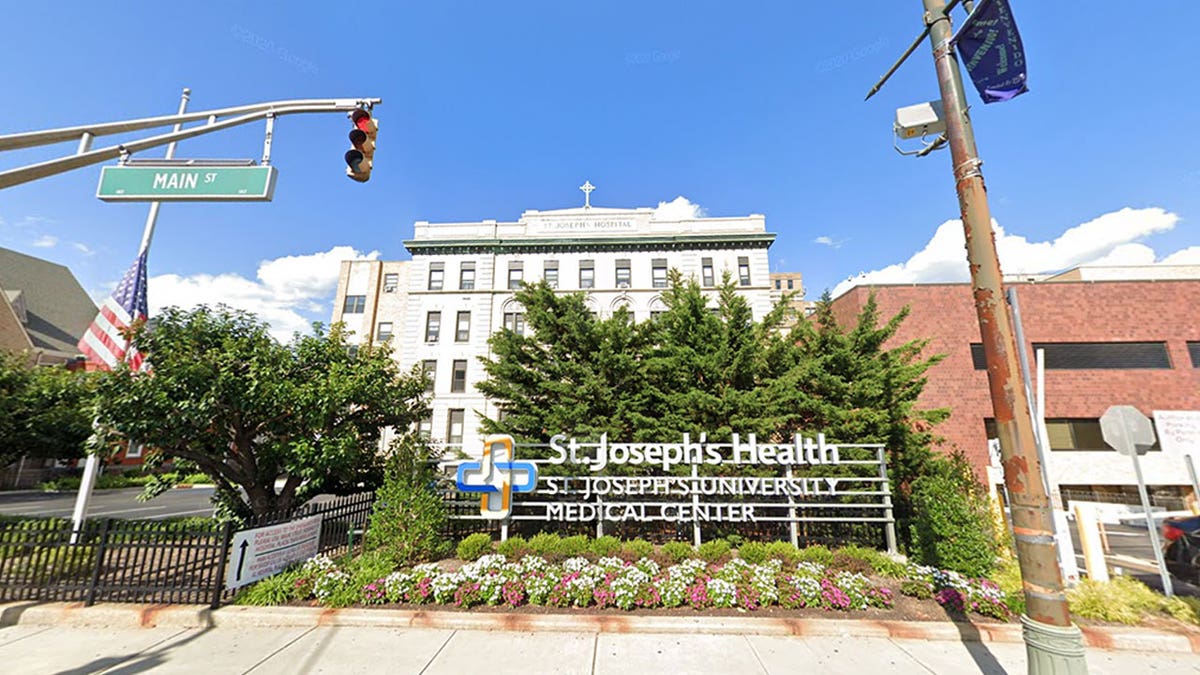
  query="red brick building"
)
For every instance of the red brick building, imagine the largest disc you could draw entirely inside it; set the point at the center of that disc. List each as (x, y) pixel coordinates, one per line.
(1111, 335)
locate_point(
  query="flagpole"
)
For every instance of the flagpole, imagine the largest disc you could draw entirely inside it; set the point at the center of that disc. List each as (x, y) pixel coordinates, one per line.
(91, 466)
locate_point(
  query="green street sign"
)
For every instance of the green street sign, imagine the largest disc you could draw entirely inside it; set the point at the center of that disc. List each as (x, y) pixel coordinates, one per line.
(187, 184)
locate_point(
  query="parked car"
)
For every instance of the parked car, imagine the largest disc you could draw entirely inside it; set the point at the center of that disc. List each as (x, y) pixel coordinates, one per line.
(1181, 547)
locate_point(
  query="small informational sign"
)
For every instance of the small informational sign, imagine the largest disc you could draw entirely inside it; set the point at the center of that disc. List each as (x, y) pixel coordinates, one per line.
(1178, 432)
(259, 553)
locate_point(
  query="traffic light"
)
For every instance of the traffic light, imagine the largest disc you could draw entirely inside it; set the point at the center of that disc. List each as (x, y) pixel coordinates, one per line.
(360, 158)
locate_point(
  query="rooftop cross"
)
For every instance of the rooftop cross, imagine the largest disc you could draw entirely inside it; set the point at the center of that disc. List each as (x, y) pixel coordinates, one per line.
(587, 188)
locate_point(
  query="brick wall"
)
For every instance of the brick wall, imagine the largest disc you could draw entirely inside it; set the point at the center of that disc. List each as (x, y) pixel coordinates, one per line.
(1110, 311)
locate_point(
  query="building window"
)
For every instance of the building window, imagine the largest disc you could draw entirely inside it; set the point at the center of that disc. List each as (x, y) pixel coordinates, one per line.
(1094, 355)
(778, 284)
(655, 313)
(623, 273)
(437, 273)
(587, 274)
(658, 273)
(458, 380)
(429, 371)
(466, 277)
(390, 281)
(1194, 352)
(514, 321)
(355, 304)
(134, 450)
(516, 275)
(744, 271)
(433, 326)
(706, 272)
(384, 331)
(1069, 434)
(790, 286)
(454, 427)
(462, 328)
(550, 273)
(425, 428)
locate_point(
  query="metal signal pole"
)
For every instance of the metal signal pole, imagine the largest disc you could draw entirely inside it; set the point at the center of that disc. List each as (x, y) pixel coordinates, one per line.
(1053, 643)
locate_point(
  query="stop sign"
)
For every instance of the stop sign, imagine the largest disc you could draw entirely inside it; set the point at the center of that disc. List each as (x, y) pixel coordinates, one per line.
(1127, 430)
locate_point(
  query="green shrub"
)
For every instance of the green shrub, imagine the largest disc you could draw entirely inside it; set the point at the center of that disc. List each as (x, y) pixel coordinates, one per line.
(571, 547)
(637, 549)
(754, 552)
(783, 551)
(365, 569)
(545, 543)
(607, 545)
(878, 561)
(713, 551)
(677, 551)
(195, 479)
(735, 540)
(474, 546)
(1121, 600)
(952, 526)
(1007, 576)
(916, 588)
(274, 590)
(409, 515)
(1183, 608)
(815, 554)
(513, 547)
(846, 561)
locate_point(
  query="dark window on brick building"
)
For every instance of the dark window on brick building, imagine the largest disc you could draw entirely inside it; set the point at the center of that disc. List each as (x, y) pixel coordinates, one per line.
(1194, 352)
(1066, 434)
(1094, 355)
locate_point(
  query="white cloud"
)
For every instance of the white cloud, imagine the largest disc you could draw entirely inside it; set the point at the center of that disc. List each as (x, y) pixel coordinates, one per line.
(829, 241)
(678, 209)
(45, 241)
(1110, 239)
(1187, 256)
(83, 248)
(289, 293)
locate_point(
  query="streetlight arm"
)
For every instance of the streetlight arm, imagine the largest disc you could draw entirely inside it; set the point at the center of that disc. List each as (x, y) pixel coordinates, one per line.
(30, 139)
(62, 164)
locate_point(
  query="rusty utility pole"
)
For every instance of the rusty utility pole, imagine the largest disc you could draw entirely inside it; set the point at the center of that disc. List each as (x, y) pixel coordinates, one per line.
(1053, 643)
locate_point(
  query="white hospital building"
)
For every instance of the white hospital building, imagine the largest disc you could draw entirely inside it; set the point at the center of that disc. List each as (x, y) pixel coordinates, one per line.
(439, 308)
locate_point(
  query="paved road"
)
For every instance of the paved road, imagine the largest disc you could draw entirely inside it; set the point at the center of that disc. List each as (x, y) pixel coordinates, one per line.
(40, 649)
(115, 503)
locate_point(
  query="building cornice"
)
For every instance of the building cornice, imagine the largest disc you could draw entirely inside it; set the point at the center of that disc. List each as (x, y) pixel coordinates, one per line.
(581, 244)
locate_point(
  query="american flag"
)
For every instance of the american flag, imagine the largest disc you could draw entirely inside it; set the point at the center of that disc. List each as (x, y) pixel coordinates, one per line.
(103, 343)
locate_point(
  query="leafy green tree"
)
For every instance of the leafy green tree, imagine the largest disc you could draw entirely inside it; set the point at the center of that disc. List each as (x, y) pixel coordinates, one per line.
(45, 411)
(571, 372)
(847, 384)
(247, 411)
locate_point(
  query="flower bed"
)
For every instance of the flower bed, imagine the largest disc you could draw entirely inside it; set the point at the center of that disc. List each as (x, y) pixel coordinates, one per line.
(612, 582)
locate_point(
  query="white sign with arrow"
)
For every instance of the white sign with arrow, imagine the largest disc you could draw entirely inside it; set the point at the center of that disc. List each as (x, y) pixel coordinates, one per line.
(259, 553)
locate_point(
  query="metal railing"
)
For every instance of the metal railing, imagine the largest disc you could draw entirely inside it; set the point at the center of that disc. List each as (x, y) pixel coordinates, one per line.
(149, 561)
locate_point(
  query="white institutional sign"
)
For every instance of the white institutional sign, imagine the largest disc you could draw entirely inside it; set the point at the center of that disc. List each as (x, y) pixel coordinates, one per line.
(804, 479)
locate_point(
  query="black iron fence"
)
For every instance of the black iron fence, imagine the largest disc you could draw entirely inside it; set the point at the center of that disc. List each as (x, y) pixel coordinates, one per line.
(148, 561)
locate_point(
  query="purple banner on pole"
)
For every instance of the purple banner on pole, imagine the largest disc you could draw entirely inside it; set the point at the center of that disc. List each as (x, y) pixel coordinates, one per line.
(992, 52)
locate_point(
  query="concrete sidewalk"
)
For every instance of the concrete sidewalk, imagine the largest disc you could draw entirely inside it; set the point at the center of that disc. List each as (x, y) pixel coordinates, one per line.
(35, 649)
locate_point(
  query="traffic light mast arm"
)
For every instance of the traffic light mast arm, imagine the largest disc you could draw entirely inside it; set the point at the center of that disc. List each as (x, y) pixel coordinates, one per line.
(86, 157)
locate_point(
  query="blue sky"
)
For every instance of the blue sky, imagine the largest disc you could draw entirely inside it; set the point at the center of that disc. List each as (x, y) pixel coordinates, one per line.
(491, 109)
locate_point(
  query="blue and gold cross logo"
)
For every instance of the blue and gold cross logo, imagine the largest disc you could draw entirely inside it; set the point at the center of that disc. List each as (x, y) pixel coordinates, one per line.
(496, 475)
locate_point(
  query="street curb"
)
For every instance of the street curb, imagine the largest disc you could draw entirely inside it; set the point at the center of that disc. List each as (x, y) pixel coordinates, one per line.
(200, 616)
